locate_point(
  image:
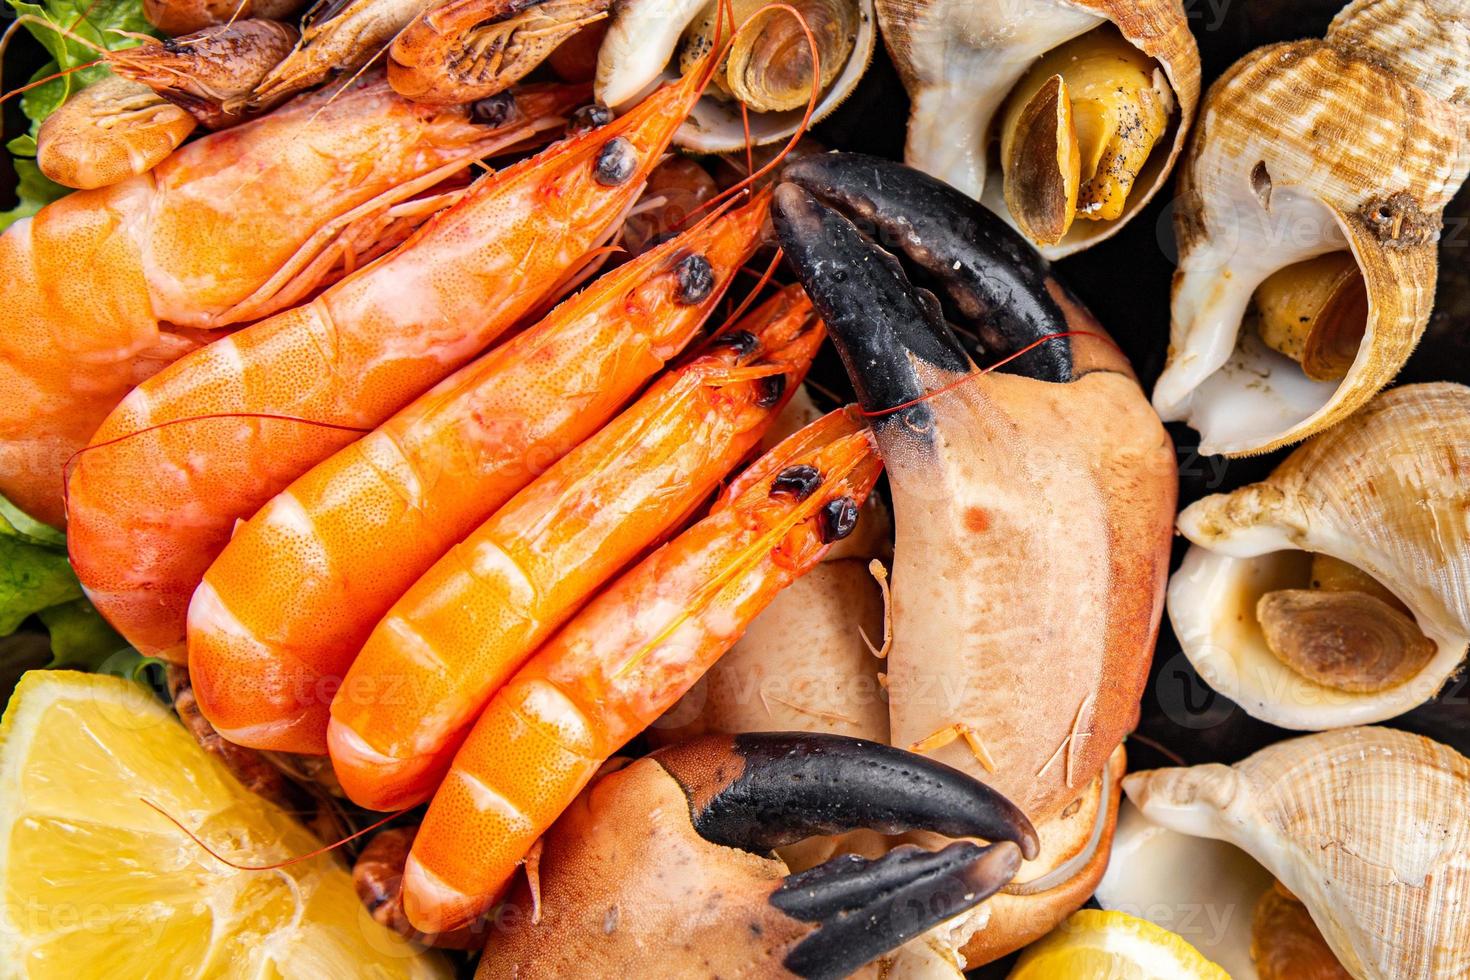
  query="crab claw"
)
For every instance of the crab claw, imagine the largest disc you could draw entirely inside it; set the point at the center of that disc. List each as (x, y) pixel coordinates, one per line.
(666, 864)
(1033, 506)
(838, 211)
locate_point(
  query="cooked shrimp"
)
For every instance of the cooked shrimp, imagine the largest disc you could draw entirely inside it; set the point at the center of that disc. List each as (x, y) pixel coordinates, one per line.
(109, 131)
(184, 16)
(544, 553)
(623, 659)
(338, 37)
(471, 49)
(103, 288)
(288, 604)
(188, 453)
(210, 73)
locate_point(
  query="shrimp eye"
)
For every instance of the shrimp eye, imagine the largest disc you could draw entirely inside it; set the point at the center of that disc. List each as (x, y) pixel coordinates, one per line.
(696, 279)
(616, 162)
(742, 342)
(493, 111)
(838, 518)
(770, 390)
(588, 118)
(801, 481)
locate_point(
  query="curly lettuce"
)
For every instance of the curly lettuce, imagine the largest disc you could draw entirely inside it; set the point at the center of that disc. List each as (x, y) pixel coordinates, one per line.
(109, 24)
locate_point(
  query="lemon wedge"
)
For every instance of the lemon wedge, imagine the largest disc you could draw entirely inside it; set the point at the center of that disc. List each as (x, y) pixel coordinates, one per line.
(98, 884)
(1096, 945)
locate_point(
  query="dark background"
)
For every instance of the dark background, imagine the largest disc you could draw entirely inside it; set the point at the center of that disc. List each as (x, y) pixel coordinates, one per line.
(1125, 281)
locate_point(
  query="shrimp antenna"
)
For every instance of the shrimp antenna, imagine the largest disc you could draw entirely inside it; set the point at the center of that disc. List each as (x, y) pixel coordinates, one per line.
(279, 864)
(65, 32)
(1046, 338)
(750, 297)
(49, 78)
(266, 416)
(350, 79)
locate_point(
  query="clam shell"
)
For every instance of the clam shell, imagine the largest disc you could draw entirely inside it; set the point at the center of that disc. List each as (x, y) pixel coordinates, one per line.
(1356, 142)
(1387, 491)
(960, 59)
(642, 41)
(1366, 826)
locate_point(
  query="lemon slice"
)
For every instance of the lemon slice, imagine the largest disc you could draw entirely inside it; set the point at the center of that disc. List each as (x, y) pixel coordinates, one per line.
(1096, 945)
(98, 884)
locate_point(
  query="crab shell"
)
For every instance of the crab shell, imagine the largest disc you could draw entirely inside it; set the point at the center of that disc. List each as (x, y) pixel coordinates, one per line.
(803, 666)
(1388, 491)
(1366, 826)
(1357, 142)
(1037, 530)
(959, 60)
(642, 40)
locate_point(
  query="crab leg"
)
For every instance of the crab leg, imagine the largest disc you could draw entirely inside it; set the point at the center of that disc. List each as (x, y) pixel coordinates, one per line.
(624, 659)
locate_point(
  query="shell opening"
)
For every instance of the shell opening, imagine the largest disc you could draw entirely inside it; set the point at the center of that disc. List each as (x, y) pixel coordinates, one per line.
(1199, 887)
(767, 70)
(1304, 641)
(1316, 313)
(1078, 131)
(1271, 321)
(1286, 944)
(769, 66)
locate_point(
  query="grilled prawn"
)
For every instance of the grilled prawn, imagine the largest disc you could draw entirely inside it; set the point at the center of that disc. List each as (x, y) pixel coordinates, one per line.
(283, 612)
(210, 440)
(103, 288)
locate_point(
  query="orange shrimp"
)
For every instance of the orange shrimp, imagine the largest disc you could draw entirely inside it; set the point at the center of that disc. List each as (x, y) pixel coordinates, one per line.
(626, 657)
(104, 288)
(293, 597)
(152, 503)
(466, 626)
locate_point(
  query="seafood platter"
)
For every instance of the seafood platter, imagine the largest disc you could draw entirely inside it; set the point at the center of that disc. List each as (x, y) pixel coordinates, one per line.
(909, 489)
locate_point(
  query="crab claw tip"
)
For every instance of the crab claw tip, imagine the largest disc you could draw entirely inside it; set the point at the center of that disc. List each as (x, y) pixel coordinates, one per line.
(864, 908)
(763, 790)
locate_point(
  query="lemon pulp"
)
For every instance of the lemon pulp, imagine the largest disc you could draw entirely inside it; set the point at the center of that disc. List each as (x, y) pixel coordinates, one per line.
(97, 883)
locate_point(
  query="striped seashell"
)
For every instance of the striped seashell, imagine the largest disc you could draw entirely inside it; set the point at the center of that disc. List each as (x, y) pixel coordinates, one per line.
(1355, 142)
(1365, 826)
(960, 59)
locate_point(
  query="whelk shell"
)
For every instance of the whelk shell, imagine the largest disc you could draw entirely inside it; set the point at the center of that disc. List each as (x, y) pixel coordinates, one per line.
(960, 60)
(1365, 826)
(641, 49)
(1351, 143)
(1385, 492)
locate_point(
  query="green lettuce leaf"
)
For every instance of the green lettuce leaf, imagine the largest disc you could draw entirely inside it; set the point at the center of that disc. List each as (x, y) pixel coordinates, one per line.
(37, 579)
(110, 24)
(32, 578)
(34, 191)
(80, 637)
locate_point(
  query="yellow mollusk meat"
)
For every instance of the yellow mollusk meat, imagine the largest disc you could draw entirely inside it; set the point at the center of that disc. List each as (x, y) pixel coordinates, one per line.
(1077, 131)
(1315, 312)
